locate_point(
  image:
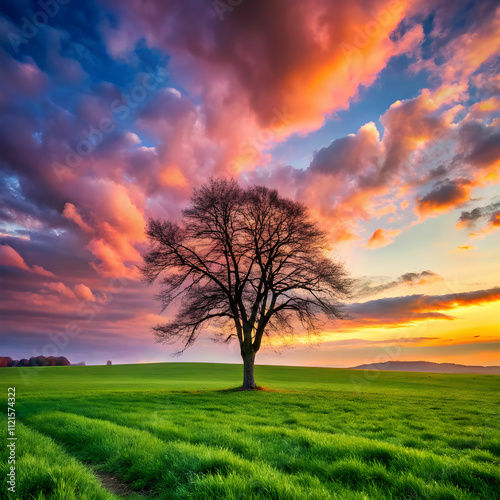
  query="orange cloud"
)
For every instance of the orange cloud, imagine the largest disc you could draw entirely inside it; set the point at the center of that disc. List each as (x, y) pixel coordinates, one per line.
(358, 64)
(445, 196)
(484, 108)
(382, 237)
(465, 248)
(251, 97)
(171, 176)
(110, 262)
(260, 81)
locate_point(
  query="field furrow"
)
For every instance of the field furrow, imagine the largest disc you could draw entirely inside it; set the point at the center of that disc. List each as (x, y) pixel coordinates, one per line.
(149, 429)
(46, 471)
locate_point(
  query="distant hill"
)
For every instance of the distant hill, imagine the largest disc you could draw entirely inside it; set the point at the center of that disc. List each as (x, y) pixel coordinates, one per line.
(427, 366)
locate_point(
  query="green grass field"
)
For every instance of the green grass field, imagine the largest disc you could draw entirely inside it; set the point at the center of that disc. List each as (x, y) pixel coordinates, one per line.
(174, 430)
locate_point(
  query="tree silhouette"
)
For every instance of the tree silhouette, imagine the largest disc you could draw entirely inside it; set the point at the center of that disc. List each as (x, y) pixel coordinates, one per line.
(248, 260)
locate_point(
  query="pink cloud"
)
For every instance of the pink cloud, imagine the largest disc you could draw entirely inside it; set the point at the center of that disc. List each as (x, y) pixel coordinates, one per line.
(41, 271)
(272, 69)
(9, 257)
(18, 77)
(252, 95)
(71, 213)
(84, 292)
(112, 216)
(61, 288)
(244, 87)
(465, 54)
(485, 108)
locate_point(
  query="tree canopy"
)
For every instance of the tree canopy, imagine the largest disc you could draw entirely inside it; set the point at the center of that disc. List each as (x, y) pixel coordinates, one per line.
(247, 260)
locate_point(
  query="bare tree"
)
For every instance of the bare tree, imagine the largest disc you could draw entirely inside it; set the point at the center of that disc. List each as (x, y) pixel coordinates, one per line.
(250, 261)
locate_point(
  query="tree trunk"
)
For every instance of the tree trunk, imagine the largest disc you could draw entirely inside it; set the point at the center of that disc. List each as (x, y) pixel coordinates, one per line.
(248, 365)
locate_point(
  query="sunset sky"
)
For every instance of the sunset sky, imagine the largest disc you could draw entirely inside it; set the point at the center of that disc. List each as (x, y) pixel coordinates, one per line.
(382, 116)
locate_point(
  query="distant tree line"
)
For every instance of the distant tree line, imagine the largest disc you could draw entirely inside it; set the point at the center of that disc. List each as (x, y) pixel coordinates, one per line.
(34, 361)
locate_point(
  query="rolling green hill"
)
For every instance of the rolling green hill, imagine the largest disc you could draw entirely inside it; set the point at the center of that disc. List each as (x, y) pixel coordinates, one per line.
(179, 430)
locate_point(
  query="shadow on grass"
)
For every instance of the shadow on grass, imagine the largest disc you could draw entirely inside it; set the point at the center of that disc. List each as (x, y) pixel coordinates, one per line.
(258, 388)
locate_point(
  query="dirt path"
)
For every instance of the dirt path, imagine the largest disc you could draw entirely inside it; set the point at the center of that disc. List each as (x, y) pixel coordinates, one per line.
(115, 485)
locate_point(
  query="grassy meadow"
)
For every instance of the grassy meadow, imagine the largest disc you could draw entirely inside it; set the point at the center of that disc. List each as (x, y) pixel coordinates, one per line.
(179, 430)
